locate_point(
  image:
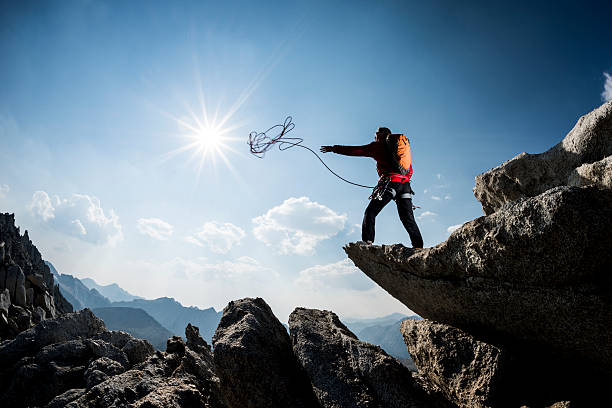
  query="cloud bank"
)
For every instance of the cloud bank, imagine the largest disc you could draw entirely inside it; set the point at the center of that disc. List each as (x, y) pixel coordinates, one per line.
(155, 228)
(4, 189)
(607, 92)
(340, 275)
(297, 226)
(80, 216)
(218, 237)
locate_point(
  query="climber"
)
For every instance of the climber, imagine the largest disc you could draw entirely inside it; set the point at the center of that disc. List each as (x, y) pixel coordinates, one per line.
(394, 167)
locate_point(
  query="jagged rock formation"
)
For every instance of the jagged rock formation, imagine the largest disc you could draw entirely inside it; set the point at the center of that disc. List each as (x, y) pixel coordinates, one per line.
(74, 351)
(346, 372)
(531, 279)
(255, 361)
(75, 361)
(28, 293)
(528, 175)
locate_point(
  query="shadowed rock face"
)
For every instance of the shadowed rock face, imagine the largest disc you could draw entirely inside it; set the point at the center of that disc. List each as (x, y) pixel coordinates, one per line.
(255, 361)
(346, 372)
(528, 175)
(28, 293)
(537, 271)
(475, 374)
(73, 361)
(467, 371)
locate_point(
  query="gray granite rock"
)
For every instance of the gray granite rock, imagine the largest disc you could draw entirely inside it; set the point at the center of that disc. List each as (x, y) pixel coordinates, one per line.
(254, 359)
(537, 271)
(81, 324)
(528, 175)
(29, 281)
(346, 372)
(468, 372)
(598, 173)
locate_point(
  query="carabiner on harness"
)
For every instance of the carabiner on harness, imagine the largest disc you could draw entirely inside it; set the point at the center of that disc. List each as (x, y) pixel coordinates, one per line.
(381, 188)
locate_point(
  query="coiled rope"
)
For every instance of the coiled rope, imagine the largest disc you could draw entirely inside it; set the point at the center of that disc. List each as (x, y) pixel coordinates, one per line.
(260, 143)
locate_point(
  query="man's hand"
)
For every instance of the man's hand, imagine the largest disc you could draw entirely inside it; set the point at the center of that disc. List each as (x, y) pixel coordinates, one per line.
(326, 149)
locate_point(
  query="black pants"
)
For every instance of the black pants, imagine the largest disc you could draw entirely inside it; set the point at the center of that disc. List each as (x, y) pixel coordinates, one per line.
(393, 191)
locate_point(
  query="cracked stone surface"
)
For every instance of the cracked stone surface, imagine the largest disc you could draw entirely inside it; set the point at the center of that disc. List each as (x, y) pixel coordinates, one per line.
(536, 271)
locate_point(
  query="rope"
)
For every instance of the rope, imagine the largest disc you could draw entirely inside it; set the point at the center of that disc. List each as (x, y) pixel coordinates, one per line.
(260, 143)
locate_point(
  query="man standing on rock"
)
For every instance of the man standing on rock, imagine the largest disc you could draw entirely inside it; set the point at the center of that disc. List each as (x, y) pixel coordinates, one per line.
(394, 167)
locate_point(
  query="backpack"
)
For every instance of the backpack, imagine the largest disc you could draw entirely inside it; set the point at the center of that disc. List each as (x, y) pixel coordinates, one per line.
(398, 147)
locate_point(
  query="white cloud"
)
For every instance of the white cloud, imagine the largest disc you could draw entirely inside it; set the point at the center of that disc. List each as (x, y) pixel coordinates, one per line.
(218, 237)
(41, 206)
(155, 228)
(447, 197)
(80, 216)
(298, 225)
(434, 197)
(236, 270)
(453, 228)
(607, 92)
(4, 189)
(340, 275)
(426, 214)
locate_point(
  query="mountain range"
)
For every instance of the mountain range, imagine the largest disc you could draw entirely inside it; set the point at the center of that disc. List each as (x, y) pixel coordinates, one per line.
(158, 319)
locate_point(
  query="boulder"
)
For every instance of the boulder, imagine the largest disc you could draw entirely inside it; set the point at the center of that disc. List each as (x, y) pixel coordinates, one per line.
(528, 175)
(598, 173)
(81, 324)
(346, 372)
(254, 359)
(137, 350)
(537, 271)
(467, 372)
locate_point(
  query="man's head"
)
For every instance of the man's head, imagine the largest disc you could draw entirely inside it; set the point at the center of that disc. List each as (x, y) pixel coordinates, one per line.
(382, 133)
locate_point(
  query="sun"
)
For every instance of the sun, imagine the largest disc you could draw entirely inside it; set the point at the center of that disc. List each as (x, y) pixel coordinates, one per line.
(210, 138)
(205, 138)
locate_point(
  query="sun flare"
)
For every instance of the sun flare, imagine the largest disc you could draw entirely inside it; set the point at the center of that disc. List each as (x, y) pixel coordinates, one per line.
(205, 138)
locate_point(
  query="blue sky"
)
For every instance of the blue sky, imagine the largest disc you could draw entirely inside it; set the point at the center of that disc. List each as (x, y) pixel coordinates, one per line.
(93, 93)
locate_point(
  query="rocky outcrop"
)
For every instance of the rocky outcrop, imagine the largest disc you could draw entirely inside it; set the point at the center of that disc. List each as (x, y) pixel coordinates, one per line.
(181, 377)
(71, 352)
(28, 293)
(74, 361)
(467, 372)
(528, 175)
(475, 374)
(598, 173)
(346, 372)
(521, 297)
(254, 359)
(537, 271)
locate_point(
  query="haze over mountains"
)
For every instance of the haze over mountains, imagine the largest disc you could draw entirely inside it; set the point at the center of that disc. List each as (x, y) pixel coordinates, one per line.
(158, 319)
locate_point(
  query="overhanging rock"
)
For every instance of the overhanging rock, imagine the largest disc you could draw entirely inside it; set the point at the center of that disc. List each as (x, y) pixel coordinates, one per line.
(537, 272)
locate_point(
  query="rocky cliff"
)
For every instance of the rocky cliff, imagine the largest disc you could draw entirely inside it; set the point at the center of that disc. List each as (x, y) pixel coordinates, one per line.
(520, 295)
(28, 293)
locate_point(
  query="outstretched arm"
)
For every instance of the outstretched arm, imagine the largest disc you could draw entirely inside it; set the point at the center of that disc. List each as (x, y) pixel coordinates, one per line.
(364, 150)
